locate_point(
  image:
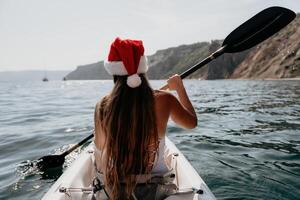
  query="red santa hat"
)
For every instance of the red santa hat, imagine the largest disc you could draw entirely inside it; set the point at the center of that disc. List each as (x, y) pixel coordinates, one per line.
(126, 57)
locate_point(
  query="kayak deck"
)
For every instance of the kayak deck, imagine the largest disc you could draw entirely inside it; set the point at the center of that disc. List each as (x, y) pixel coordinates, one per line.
(81, 173)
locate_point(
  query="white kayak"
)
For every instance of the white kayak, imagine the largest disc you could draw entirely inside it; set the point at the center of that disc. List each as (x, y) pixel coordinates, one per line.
(75, 182)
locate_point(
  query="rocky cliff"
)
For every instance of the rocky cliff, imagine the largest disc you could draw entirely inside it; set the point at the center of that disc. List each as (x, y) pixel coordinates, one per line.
(178, 59)
(93, 71)
(277, 57)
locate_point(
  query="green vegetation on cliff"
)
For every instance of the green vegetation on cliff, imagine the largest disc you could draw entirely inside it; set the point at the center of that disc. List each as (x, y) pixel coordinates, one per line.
(173, 60)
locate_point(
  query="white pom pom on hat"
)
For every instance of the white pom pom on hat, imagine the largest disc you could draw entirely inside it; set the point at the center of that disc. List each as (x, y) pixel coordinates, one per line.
(126, 57)
(134, 80)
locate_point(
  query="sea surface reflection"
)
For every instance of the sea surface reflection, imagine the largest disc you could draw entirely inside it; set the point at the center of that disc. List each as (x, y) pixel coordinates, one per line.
(246, 145)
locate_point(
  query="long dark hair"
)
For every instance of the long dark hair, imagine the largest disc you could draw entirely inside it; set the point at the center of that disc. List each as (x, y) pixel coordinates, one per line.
(129, 123)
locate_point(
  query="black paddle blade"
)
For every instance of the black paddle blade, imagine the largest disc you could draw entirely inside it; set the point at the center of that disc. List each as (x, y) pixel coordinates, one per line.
(258, 28)
(51, 161)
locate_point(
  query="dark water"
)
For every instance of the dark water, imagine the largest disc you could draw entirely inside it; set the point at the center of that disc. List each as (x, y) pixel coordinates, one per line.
(246, 145)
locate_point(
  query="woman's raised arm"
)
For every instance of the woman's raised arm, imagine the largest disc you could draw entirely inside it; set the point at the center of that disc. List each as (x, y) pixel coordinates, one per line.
(182, 111)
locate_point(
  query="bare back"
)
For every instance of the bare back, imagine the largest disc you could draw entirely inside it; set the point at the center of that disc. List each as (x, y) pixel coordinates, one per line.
(166, 106)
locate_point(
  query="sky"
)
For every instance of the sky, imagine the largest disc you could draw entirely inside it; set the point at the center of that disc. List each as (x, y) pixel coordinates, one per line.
(62, 34)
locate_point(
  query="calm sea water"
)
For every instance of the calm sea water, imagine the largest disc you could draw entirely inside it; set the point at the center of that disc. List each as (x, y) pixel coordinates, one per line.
(246, 145)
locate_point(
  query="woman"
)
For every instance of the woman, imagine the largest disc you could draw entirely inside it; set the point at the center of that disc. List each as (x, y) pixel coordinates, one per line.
(131, 121)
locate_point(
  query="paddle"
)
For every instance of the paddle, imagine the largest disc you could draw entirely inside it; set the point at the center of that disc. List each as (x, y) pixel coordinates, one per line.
(255, 30)
(52, 161)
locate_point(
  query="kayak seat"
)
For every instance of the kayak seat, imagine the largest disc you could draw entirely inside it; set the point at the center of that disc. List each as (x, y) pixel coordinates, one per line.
(151, 186)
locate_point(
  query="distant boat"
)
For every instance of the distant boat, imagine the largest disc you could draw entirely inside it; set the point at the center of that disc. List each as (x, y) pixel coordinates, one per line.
(45, 79)
(64, 79)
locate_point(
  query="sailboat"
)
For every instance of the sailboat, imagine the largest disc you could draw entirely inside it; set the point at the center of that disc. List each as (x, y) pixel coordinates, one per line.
(45, 79)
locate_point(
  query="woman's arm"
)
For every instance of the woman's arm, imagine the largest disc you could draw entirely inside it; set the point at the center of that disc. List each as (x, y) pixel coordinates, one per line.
(182, 111)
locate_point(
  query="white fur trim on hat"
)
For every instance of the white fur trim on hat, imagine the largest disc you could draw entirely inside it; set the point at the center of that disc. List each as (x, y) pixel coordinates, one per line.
(118, 68)
(134, 80)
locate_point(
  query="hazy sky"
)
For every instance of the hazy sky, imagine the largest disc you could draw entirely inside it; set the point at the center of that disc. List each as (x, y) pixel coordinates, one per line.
(62, 34)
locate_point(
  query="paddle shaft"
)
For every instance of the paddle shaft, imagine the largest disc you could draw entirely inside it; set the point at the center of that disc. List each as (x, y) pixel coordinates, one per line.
(200, 64)
(208, 59)
(77, 145)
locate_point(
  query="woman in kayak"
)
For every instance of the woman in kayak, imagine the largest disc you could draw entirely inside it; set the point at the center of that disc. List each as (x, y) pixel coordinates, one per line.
(131, 121)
